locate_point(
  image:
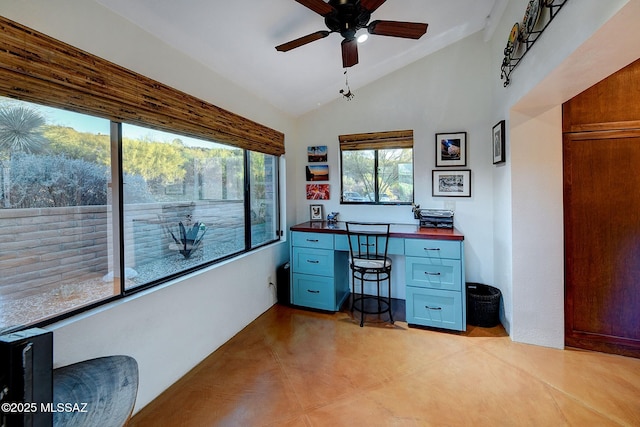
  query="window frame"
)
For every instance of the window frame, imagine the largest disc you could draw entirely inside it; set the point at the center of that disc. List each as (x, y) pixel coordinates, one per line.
(39, 69)
(118, 229)
(376, 141)
(118, 242)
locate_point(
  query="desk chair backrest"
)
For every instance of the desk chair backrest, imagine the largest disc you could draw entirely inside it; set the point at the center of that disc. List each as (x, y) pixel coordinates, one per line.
(368, 240)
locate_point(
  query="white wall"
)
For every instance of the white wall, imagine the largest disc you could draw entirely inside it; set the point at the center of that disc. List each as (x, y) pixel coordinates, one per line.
(169, 329)
(575, 52)
(513, 223)
(537, 228)
(446, 92)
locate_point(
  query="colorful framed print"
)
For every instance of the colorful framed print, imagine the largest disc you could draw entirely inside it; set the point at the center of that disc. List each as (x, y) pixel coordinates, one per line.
(317, 154)
(317, 172)
(318, 192)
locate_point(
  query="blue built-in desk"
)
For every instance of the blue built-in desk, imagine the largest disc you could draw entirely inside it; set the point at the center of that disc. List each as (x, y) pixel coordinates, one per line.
(434, 270)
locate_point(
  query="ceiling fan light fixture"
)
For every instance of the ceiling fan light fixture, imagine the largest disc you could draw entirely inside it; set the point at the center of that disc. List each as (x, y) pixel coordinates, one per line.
(347, 17)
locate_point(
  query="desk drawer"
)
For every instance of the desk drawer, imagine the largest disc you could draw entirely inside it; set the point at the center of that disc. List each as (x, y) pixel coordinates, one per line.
(430, 307)
(313, 240)
(432, 248)
(313, 291)
(313, 261)
(433, 273)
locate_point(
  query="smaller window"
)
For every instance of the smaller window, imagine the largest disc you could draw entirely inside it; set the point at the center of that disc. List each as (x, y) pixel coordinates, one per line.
(377, 168)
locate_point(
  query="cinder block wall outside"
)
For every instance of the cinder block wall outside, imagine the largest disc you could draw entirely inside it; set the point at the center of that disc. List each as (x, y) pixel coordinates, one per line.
(52, 246)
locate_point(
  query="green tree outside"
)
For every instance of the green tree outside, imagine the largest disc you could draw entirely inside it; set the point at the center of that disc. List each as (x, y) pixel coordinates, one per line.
(152, 165)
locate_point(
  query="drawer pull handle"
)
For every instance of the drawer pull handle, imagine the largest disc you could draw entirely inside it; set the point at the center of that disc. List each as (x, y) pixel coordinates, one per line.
(367, 244)
(431, 249)
(432, 274)
(312, 240)
(313, 292)
(432, 308)
(313, 261)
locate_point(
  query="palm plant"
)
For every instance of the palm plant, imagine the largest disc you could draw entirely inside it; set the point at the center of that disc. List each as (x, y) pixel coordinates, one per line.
(21, 130)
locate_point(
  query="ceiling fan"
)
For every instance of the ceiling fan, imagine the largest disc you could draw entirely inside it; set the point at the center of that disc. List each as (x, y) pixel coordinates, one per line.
(347, 17)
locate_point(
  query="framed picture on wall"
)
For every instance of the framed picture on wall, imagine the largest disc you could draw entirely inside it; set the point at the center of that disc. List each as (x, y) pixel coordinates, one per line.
(318, 192)
(317, 172)
(317, 153)
(451, 149)
(498, 143)
(451, 183)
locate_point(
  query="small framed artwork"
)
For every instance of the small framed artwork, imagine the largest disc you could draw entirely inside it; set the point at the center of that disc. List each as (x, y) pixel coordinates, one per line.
(317, 172)
(498, 143)
(315, 213)
(318, 192)
(317, 154)
(451, 183)
(451, 149)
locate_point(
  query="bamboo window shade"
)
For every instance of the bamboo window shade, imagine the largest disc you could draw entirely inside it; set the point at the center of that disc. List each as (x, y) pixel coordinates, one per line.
(37, 68)
(377, 140)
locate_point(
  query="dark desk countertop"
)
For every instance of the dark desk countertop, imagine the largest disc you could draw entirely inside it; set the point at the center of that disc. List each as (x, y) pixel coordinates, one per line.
(407, 231)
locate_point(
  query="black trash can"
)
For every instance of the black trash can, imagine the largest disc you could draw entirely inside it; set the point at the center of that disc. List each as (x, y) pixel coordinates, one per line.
(483, 305)
(282, 278)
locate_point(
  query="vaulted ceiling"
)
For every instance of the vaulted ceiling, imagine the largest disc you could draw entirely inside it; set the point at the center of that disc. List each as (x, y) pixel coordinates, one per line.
(237, 39)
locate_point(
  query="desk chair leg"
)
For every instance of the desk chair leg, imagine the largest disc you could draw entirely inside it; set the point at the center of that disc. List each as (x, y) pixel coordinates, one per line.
(354, 298)
(378, 286)
(389, 296)
(353, 294)
(359, 297)
(361, 303)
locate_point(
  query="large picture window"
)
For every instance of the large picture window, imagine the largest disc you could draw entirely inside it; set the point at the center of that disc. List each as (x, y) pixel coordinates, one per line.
(377, 168)
(54, 212)
(186, 203)
(100, 203)
(183, 203)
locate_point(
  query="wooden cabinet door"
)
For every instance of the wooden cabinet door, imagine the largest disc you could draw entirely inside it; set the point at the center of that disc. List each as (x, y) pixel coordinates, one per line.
(602, 240)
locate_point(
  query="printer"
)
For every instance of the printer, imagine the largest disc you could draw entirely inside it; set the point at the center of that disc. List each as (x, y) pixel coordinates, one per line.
(434, 218)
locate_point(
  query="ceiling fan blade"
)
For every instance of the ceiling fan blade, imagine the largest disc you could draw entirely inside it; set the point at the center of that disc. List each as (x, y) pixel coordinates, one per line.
(318, 6)
(407, 30)
(371, 5)
(285, 47)
(349, 53)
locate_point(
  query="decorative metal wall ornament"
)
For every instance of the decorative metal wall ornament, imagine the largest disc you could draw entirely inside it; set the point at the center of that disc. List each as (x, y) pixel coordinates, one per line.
(347, 93)
(524, 34)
